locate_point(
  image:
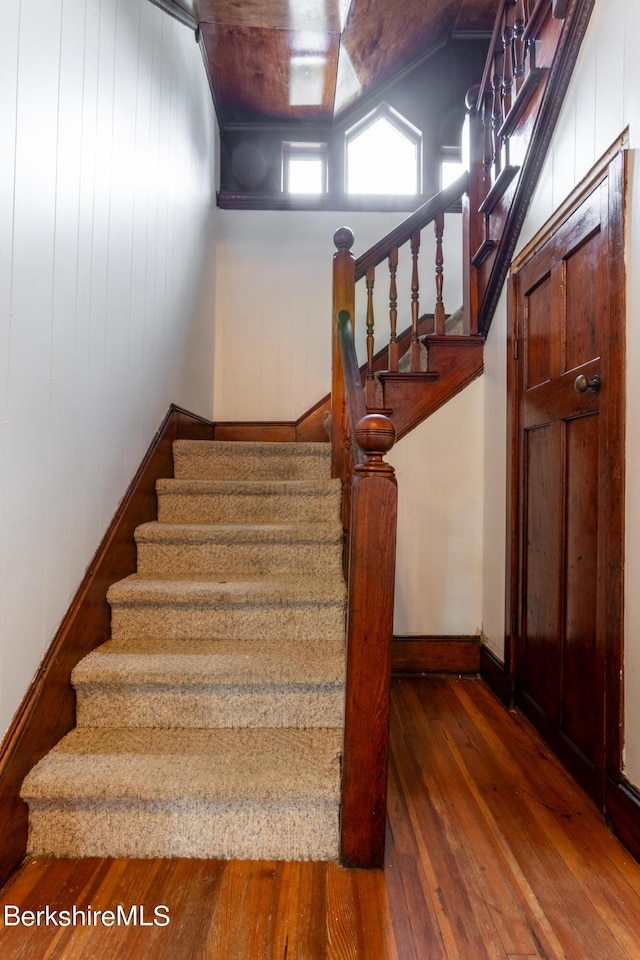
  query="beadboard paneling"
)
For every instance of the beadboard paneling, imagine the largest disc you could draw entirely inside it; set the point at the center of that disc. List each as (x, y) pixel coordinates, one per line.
(273, 313)
(107, 227)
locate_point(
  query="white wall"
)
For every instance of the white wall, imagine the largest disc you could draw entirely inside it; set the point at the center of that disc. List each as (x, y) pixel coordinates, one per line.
(273, 313)
(106, 284)
(602, 101)
(439, 468)
(493, 485)
(273, 353)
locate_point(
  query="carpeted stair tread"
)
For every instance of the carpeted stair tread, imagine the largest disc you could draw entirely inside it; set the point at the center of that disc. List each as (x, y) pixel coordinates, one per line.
(205, 683)
(211, 662)
(250, 460)
(226, 663)
(152, 764)
(247, 501)
(235, 551)
(239, 533)
(183, 590)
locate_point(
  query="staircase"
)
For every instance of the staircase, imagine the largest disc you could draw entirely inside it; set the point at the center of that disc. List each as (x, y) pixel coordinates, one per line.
(211, 723)
(224, 717)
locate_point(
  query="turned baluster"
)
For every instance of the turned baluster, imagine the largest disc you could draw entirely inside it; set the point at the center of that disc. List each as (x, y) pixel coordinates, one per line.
(439, 318)
(496, 115)
(519, 24)
(507, 68)
(415, 302)
(393, 310)
(370, 386)
(487, 154)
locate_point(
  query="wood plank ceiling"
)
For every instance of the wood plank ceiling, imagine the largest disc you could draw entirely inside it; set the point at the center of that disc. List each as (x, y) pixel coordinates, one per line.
(308, 60)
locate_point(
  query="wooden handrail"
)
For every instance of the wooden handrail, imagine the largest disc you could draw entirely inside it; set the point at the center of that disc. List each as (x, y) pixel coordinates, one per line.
(416, 221)
(371, 516)
(354, 396)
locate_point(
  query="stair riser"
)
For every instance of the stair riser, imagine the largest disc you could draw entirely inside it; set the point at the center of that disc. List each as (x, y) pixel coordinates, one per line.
(222, 467)
(316, 622)
(210, 707)
(227, 508)
(230, 831)
(216, 561)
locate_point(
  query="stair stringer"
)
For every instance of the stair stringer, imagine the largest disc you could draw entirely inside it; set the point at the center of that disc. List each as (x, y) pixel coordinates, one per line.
(411, 398)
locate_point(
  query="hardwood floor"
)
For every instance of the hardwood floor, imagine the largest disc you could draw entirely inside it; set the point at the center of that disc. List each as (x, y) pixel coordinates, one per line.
(493, 853)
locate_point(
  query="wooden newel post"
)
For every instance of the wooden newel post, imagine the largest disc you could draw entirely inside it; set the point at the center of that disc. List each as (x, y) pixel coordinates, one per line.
(370, 633)
(344, 296)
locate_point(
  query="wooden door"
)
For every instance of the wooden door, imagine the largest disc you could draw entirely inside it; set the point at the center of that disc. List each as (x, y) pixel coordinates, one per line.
(569, 448)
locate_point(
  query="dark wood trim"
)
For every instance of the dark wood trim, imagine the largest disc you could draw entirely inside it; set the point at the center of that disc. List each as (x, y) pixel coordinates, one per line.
(419, 219)
(47, 711)
(483, 251)
(615, 454)
(456, 359)
(495, 675)
(525, 93)
(266, 431)
(573, 31)
(177, 12)
(498, 189)
(512, 546)
(430, 654)
(207, 70)
(623, 811)
(227, 200)
(535, 21)
(559, 9)
(312, 425)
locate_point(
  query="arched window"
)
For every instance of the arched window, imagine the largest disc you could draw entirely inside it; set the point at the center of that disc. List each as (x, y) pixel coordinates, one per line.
(383, 154)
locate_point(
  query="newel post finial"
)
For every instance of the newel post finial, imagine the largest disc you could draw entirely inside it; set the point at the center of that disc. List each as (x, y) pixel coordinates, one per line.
(375, 435)
(343, 238)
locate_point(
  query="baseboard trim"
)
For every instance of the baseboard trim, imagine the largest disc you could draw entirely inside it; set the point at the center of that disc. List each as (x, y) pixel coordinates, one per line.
(495, 676)
(47, 711)
(432, 654)
(622, 801)
(309, 427)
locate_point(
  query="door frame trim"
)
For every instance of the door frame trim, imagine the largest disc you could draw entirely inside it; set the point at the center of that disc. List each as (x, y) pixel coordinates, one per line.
(612, 165)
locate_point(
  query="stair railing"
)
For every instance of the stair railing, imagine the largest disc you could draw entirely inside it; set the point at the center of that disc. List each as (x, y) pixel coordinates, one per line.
(408, 233)
(369, 514)
(512, 114)
(359, 442)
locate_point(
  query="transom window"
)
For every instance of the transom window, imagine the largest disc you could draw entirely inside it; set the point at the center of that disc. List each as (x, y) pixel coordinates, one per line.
(383, 154)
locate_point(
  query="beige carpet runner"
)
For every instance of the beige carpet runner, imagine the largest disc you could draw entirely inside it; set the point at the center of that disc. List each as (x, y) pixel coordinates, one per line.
(210, 725)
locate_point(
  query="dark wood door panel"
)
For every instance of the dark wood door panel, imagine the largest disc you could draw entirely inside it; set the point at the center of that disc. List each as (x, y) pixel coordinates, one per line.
(542, 568)
(538, 320)
(582, 302)
(567, 461)
(582, 672)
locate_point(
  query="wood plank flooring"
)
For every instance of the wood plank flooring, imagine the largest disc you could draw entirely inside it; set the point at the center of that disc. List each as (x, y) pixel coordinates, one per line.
(493, 853)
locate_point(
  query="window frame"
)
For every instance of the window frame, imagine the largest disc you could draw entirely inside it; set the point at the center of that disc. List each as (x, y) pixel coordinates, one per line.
(412, 133)
(304, 150)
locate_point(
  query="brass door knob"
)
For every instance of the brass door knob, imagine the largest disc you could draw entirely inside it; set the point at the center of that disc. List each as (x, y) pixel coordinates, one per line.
(581, 384)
